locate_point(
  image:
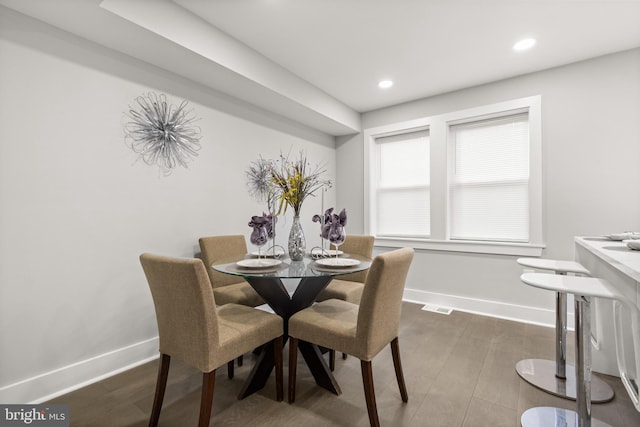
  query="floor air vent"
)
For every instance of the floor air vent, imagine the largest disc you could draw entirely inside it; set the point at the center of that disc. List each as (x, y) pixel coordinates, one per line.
(437, 309)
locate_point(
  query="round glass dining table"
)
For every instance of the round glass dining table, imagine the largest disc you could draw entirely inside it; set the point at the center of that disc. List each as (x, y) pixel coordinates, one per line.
(265, 276)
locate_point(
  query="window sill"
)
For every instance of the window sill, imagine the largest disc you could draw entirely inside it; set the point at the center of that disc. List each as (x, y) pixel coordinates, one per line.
(495, 248)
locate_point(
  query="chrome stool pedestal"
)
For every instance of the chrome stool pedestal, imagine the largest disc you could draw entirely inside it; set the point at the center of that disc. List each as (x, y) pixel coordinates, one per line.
(549, 416)
(556, 376)
(583, 289)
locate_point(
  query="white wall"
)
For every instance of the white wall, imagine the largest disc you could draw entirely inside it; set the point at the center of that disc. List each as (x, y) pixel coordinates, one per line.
(76, 210)
(591, 173)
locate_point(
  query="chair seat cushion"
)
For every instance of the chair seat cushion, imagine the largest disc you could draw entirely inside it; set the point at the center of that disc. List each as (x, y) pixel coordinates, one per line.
(330, 323)
(242, 329)
(238, 293)
(345, 290)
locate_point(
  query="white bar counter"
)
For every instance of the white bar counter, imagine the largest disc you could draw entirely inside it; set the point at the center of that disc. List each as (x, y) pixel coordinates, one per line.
(615, 262)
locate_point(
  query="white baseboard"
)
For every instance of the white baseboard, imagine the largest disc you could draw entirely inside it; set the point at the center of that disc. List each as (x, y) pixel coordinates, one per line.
(518, 313)
(48, 385)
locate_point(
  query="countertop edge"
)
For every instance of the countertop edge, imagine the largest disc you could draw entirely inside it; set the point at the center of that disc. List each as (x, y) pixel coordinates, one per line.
(601, 253)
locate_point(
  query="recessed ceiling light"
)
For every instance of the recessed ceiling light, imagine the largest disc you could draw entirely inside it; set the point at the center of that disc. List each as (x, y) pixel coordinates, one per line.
(524, 44)
(385, 84)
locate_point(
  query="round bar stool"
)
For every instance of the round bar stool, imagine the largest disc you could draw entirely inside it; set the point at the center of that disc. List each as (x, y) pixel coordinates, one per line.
(583, 289)
(557, 377)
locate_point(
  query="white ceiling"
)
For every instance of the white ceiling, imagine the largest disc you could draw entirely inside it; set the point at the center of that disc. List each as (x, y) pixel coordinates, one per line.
(428, 47)
(318, 62)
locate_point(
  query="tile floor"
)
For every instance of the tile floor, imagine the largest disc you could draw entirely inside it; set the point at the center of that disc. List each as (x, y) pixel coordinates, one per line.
(459, 371)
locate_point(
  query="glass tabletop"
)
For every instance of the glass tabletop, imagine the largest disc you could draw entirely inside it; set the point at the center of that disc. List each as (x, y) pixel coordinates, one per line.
(285, 268)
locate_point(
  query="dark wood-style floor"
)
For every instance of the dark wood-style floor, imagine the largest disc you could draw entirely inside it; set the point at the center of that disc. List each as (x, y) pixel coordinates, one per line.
(459, 371)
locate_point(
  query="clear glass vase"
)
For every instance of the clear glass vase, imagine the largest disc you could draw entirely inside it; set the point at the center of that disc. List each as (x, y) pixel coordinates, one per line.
(297, 242)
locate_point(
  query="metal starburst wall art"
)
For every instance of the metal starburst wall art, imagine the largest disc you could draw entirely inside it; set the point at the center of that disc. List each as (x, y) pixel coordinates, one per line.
(162, 134)
(260, 182)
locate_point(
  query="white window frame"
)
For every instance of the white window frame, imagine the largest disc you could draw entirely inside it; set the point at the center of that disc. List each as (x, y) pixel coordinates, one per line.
(438, 127)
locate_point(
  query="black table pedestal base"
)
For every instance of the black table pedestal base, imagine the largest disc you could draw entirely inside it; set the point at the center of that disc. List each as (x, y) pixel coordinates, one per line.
(273, 291)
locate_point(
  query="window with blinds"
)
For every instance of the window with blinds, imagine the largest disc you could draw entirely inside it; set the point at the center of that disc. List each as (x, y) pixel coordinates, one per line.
(489, 180)
(402, 189)
(465, 181)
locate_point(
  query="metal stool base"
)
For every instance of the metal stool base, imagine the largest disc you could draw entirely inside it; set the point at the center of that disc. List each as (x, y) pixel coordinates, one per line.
(542, 374)
(546, 416)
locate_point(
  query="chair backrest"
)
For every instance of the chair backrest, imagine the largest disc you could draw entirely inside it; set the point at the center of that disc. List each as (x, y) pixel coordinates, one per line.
(185, 308)
(359, 245)
(381, 303)
(220, 250)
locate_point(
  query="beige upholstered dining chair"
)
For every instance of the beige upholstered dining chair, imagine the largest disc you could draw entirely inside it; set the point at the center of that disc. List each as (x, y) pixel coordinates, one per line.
(195, 331)
(227, 288)
(360, 330)
(349, 287)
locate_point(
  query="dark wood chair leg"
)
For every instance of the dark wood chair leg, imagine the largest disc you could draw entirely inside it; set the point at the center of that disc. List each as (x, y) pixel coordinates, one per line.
(293, 362)
(344, 356)
(230, 369)
(277, 355)
(240, 359)
(208, 383)
(161, 385)
(395, 352)
(369, 393)
(332, 360)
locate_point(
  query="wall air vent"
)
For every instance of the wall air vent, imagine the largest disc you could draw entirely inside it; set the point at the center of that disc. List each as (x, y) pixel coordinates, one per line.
(437, 309)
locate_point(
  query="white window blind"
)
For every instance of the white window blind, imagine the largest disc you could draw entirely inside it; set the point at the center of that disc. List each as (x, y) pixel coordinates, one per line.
(489, 183)
(402, 199)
